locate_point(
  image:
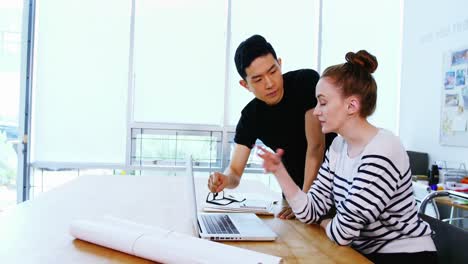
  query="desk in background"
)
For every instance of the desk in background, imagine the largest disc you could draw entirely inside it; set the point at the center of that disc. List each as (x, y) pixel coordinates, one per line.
(37, 231)
(456, 210)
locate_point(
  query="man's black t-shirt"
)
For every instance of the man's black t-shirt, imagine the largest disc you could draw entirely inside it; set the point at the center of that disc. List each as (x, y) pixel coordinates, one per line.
(283, 125)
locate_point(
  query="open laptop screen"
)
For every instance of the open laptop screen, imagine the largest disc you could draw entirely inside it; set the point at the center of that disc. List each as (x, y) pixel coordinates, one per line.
(191, 195)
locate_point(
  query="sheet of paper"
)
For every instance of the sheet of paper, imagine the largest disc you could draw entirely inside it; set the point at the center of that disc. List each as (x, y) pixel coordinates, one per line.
(459, 124)
(252, 206)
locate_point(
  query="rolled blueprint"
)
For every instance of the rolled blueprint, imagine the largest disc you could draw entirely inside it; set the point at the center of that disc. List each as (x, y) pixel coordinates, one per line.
(161, 245)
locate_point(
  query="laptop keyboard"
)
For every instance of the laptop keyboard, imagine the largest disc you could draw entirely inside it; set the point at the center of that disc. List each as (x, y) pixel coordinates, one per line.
(219, 224)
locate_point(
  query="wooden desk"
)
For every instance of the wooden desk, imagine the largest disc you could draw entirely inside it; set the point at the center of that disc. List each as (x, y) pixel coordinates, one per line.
(450, 202)
(456, 209)
(37, 231)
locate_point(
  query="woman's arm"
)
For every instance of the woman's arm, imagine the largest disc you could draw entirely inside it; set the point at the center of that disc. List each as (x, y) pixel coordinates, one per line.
(371, 190)
(307, 207)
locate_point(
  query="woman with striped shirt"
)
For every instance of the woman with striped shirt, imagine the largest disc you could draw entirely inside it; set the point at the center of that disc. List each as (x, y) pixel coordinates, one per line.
(366, 173)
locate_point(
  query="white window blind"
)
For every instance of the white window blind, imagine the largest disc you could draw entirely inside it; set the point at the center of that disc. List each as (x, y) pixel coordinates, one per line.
(80, 90)
(180, 61)
(347, 26)
(290, 26)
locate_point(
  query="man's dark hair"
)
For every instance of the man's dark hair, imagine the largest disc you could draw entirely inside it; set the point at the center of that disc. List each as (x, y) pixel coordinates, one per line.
(250, 49)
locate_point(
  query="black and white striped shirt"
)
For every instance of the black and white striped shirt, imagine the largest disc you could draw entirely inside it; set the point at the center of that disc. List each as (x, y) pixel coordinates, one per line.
(373, 195)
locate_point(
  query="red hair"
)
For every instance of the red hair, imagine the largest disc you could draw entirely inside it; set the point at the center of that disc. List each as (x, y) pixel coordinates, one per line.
(355, 78)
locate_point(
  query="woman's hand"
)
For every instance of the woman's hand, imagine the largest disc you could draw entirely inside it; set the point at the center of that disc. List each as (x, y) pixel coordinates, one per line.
(271, 161)
(325, 222)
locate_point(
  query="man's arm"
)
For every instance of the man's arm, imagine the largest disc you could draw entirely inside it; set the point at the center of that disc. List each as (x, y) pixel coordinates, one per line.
(233, 173)
(315, 149)
(314, 156)
(237, 165)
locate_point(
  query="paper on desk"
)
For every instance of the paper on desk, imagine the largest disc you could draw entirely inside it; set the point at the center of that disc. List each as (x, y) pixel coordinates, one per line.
(161, 245)
(257, 207)
(254, 196)
(254, 203)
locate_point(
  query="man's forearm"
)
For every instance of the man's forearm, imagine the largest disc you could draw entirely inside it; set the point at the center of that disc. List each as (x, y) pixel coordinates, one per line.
(233, 178)
(313, 162)
(315, 149)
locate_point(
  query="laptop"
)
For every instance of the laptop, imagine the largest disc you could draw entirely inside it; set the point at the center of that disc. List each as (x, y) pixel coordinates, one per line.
(225, 226)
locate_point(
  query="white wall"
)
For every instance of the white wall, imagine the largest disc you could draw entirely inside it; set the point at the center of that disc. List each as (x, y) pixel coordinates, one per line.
(430, 29)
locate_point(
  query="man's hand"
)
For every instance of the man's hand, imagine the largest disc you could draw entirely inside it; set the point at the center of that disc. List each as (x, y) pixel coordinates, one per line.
(217, 182)
(286, 213)
(325, 222)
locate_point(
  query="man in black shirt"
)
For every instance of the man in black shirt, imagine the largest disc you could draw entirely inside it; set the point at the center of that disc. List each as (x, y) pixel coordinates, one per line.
(280, 116)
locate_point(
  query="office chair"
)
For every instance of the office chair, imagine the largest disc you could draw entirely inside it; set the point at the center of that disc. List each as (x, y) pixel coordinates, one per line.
(420, 192)
(451, 241)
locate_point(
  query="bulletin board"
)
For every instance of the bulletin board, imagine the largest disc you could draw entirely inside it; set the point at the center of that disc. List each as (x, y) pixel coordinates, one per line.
(454, 106)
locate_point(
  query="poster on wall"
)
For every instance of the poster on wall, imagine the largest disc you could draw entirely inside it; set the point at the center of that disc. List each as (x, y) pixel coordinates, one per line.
(454, 110)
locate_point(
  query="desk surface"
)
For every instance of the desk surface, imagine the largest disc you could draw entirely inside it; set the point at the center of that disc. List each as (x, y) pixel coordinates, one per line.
(37, 231)
(450, 202)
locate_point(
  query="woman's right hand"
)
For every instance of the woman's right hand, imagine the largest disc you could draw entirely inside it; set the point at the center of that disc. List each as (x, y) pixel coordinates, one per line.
(271, 161)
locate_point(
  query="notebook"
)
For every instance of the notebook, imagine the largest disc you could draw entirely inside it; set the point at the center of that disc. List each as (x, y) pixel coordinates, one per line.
(225, 226)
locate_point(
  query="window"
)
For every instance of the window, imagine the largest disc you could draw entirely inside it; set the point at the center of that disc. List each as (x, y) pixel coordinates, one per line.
(143, 95)
(290, 26)
(169, 148)
(11, 13)
(381, 37)
(179, 61)
(81, 81)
